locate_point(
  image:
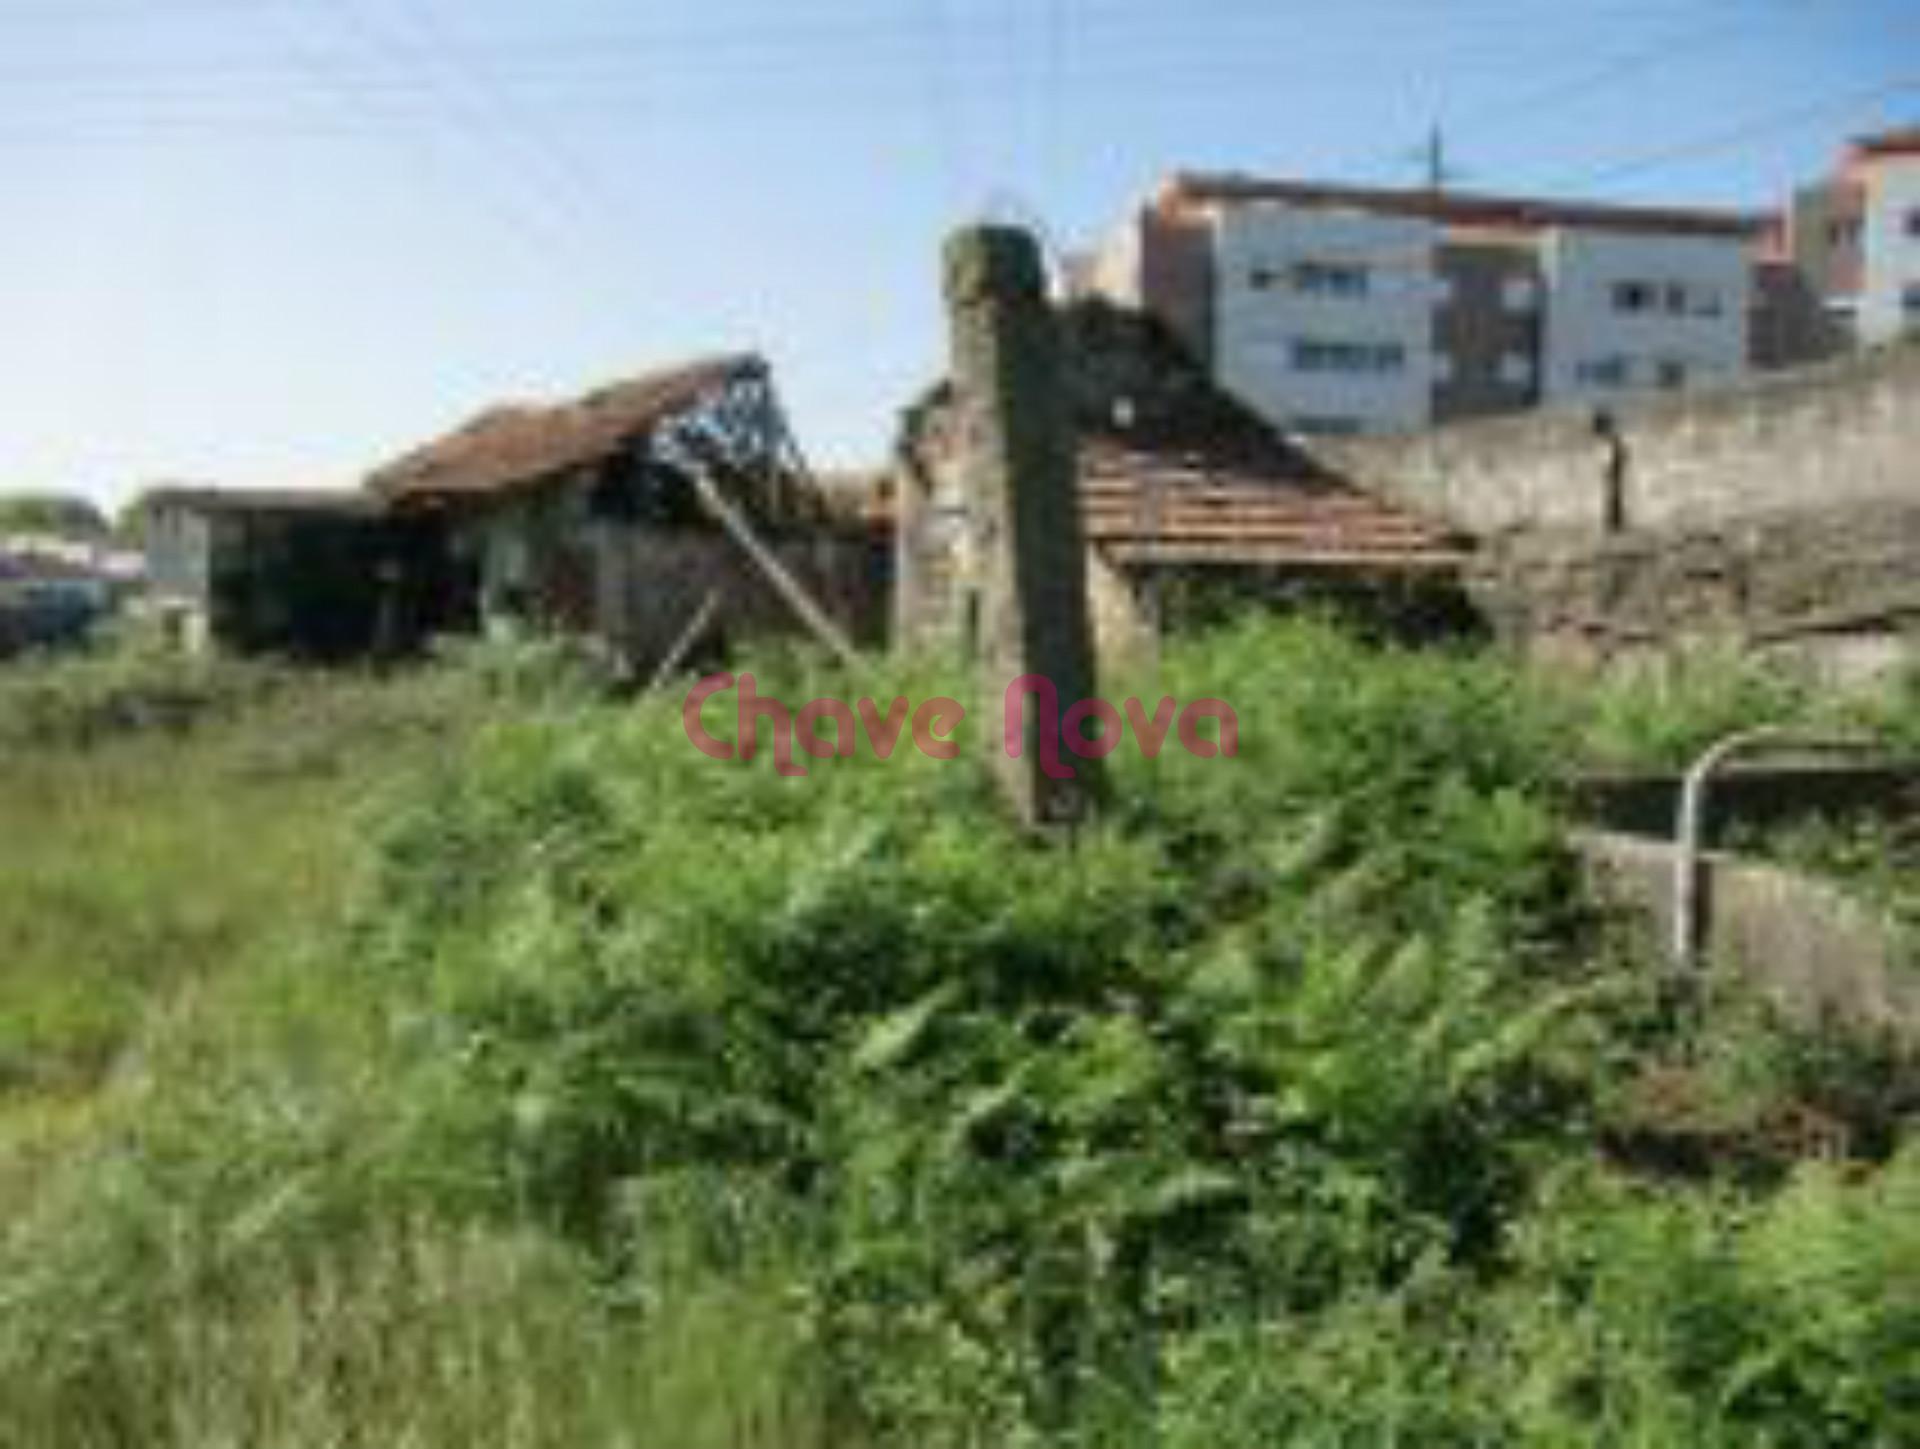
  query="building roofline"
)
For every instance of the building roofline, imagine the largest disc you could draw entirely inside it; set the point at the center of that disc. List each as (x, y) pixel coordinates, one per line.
(341, 502)
(1460, 208)
(518, 446)
(1902, 141)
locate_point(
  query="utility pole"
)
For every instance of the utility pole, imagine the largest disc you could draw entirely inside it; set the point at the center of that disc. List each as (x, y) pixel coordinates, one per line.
(1437, 167)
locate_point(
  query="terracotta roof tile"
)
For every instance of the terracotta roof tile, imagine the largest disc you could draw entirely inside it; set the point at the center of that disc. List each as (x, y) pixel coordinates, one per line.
(1142, 507)
(519, 446)
(1905, 141)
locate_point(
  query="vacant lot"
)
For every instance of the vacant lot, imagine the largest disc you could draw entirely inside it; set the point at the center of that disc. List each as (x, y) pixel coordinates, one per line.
(464, 1060)
(164, 828)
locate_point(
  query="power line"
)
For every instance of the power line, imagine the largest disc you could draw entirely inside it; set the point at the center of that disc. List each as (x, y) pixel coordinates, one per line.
(507, 209)
(528, 227)
(1573, 85)
(1149, 34)
(499, 107)
(400, 88)
(1207, 79)
(1765, 124)
(1440, 172)
(1675, 45)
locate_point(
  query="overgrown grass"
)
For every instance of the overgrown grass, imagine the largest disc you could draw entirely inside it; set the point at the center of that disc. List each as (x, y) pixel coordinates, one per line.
(1663, 712)
(127, 688)
(648, 1099)
(139, 851)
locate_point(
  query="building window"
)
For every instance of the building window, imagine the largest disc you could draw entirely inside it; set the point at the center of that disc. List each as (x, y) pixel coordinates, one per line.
(1913, 223)
(1635, 296)
(1910, 301)
(1329, 279)
(1263, 279)
(1603, 372)
(1313, 355)
(1707, 302)
(1519, 294)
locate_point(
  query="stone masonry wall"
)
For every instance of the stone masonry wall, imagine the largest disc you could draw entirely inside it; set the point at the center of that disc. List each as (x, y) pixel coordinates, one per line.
(1783, 514)
(1765, 582)
(1832, 436)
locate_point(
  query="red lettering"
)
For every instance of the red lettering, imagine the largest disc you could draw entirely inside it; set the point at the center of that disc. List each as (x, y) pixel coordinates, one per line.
(1112, 729)
(1216, 709)
(697, 697)
(1152, 732)
(933, 726)
(752, 709)
(1049, 723)
(884, 736)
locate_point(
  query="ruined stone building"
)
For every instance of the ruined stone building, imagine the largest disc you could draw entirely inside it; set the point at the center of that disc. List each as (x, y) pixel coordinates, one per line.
(298, 573)
(587, 516)
(1191, 505)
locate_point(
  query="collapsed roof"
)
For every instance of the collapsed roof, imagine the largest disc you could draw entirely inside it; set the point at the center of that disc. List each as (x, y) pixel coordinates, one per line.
(1143, 508)
(1176, 471)
(519, 446)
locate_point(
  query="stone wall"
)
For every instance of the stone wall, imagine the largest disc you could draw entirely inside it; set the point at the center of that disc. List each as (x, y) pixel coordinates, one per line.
(1783, 514)
(1837, 435)
(638, 587)
(1841, 583)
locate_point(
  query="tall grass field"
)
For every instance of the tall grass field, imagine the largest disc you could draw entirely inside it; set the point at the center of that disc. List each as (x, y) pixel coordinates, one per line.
(459, 1058)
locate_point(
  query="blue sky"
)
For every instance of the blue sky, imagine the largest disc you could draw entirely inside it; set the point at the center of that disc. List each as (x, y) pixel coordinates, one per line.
(271, 242)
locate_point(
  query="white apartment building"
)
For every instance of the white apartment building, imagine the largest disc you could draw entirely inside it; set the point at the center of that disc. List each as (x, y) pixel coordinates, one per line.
(1638, 311)
(1340, 309)
(1324, 319)
(1855, 238)
(1889, 174)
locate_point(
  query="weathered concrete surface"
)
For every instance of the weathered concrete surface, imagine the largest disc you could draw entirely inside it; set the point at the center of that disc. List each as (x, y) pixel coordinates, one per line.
(1827, 437)
(1782, 514)
(1813, 949)
(1021, 478)
(1808, 581)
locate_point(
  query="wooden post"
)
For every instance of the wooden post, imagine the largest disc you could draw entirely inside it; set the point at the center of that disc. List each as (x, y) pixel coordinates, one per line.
(784, 583)
(1035, 651)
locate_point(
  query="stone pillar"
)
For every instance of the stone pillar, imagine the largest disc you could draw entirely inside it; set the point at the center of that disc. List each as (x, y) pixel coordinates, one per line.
(1022, 488)
(910, 602)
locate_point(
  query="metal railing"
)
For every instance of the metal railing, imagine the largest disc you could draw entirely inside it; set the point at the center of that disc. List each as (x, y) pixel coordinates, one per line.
(1687, 874)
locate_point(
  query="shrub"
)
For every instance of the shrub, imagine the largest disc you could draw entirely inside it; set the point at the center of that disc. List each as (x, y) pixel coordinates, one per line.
(1281, 1030)
(1290, 1102)
(82, 700)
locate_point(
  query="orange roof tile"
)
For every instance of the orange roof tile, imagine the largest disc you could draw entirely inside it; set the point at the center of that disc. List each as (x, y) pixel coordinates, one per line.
(1142, 507)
